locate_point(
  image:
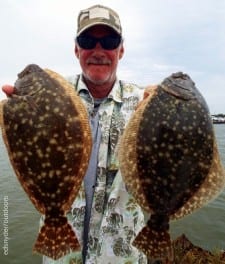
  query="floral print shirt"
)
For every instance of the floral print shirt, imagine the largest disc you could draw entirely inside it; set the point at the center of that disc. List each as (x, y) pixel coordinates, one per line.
(115, 218)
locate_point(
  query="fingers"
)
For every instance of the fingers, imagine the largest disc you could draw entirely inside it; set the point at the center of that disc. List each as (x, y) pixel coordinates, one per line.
(148, 90)
(8, 89)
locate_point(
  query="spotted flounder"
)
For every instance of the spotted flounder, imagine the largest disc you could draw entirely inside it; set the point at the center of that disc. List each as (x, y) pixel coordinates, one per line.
(45, 128)
(169, 159)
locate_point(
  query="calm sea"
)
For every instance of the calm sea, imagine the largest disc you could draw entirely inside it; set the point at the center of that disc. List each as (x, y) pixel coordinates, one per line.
(205, 228)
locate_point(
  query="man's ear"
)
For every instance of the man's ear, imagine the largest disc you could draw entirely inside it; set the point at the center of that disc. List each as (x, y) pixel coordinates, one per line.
(121, 51)
(76, 51)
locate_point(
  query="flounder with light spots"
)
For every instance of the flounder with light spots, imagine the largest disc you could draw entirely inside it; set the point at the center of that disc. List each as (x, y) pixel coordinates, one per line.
(46, 130)
(169, 160)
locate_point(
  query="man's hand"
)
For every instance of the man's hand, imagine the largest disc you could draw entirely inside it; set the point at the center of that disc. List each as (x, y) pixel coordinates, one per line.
(149, 90)
(8, 89)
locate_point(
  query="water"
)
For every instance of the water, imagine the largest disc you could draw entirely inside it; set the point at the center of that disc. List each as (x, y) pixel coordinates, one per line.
(205, 227)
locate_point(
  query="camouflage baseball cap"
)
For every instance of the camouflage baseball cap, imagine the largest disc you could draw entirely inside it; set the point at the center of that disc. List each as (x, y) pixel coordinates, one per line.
(98, 15)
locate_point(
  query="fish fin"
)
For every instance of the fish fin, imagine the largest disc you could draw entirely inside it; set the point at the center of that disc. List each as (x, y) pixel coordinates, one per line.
(2, 104)
(212, 186)
(155, 244)
(56, 239)
(1, 114)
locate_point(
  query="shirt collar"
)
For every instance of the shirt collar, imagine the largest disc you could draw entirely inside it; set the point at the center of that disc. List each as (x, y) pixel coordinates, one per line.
(115, 93)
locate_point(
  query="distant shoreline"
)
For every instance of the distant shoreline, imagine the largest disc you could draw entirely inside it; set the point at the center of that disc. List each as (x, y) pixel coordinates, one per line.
(218, 123)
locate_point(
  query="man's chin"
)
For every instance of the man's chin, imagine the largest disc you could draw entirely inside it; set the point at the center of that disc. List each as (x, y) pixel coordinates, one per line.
(98, 80)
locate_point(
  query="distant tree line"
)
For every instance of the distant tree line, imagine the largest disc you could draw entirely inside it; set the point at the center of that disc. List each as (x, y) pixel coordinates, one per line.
(219, 115)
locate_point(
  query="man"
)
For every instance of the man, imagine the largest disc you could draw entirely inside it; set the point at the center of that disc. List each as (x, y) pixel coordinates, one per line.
(104, 215)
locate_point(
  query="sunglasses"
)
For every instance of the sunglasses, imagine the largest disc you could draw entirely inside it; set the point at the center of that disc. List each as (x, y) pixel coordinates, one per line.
(110, 42)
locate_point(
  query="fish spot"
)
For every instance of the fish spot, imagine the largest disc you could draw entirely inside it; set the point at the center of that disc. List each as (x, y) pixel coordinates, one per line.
(51, 174)
(46, 165)
(56, 110)
(35, 139)
(24, 120)
(59, 148)
(39, 177)
(40, 153)
(15, 127)
(58, 172)
(48, 149)
(41, 118)
(53, 141)
(19, 154)
(58, 191)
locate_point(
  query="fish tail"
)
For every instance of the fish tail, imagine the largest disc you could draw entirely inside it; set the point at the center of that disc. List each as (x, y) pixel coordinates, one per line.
(155, 243)
(56, 238)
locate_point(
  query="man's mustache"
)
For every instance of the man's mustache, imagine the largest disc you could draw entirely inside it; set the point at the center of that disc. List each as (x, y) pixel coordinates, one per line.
(102, 61)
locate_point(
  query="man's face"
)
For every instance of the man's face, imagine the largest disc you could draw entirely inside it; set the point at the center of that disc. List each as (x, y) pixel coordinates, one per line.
(98, 64)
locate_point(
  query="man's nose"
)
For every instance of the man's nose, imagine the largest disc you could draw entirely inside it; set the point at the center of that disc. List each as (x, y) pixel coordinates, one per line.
(98, 46)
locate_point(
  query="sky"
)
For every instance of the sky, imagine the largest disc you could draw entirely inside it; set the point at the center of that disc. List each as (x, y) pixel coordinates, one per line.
(160, 37)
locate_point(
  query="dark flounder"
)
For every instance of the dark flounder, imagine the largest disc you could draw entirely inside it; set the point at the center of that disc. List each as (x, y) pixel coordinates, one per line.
(169, 159)
(45, 128)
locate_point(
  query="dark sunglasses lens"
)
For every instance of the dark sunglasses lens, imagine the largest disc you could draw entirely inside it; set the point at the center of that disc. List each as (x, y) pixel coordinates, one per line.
(108, 42)
(86, 42)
